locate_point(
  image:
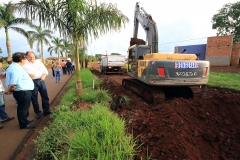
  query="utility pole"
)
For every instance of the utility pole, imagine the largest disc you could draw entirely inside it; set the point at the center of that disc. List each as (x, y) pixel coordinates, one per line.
(94, 52)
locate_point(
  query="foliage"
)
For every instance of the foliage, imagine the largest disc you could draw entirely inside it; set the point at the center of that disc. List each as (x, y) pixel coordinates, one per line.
(9, 21)
(224, 80)
(40, 36)
(67, 47)
(124, 99)
(227, 20)
(98, 56)
(87, 79)
(57, 48)
(96, 133)
(96, 96)
(115, 54)
(75, 19)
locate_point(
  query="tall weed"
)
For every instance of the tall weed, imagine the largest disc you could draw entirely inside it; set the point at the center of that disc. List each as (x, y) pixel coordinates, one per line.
(85, 134)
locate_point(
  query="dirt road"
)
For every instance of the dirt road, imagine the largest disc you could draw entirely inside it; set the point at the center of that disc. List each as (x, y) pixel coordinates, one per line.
(11, 137)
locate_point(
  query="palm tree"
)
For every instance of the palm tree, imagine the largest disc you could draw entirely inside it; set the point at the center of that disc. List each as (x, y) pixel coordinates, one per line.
(66, 47)
(40, 36)
(9, 21)
(76, 19)
(57, 48)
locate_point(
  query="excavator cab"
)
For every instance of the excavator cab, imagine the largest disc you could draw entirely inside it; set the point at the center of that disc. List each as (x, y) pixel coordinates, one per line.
(136, 53)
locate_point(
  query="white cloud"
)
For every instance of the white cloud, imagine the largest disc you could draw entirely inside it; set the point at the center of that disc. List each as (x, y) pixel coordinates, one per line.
(184, 22)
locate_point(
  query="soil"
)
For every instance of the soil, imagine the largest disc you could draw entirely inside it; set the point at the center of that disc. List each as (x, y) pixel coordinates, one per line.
(202, 128)
(205, 127)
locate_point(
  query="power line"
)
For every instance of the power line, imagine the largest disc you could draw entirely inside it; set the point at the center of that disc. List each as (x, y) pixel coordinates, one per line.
(182, 40)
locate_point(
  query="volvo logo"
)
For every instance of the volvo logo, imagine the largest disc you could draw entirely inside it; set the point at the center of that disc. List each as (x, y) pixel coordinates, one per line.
(186, 74)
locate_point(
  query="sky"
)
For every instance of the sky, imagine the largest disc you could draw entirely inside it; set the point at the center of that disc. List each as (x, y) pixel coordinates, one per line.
(179, 23)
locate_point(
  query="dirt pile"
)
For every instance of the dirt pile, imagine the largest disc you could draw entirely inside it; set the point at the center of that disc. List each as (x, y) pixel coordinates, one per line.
(137, 41)
(205, 127)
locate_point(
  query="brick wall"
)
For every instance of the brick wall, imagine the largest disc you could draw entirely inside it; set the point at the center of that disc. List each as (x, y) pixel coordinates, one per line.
(235, 54)
(219, 50)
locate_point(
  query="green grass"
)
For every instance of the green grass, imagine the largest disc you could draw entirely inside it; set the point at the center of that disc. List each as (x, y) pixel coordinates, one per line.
(96, 133)
(224, 80)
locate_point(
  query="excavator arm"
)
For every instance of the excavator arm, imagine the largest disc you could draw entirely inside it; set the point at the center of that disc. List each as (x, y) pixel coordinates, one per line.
(149, 26)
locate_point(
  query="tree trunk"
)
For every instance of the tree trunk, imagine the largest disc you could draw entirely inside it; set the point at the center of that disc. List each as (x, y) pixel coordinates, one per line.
(58, 58)
(79, 89)
(83, 61)
(42, 53)
(66, 55)
(8, 44)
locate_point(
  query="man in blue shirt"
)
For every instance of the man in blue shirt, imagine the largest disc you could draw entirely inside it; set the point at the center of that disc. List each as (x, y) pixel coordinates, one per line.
(20, 84)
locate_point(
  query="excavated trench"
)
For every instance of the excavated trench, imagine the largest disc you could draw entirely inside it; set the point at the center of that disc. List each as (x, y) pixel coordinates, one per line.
(204, 127)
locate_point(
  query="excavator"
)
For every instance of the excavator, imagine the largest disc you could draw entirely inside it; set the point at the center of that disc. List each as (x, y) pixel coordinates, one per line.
(157, 77)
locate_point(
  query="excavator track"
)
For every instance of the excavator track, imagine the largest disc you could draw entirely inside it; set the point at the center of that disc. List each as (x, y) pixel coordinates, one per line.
(151, 94)
(156, 94)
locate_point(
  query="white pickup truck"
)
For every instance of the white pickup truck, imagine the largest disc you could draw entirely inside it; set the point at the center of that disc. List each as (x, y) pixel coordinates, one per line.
(112, 64)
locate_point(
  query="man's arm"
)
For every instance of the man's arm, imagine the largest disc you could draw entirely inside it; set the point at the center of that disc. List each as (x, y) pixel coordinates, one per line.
(45, 72)
(10, 89)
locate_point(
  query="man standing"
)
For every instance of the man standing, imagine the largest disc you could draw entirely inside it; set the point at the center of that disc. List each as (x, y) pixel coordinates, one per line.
(3, 115)
(38, 73)
(64, 68)
(21, 85)
(69, 67)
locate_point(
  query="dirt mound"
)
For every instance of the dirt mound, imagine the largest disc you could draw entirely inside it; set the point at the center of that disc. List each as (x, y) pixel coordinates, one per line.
(205, 127)
(137, 41)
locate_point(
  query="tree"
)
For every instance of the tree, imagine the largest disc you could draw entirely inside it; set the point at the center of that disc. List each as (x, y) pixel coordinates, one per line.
(40, 36)
(227, 20)
(9, 21)
(57, 48)
(76, 19)
(66, 47)
(115, 54)
(98, 56)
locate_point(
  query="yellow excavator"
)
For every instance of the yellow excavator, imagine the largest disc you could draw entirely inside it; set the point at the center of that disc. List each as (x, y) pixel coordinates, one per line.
(155, 76)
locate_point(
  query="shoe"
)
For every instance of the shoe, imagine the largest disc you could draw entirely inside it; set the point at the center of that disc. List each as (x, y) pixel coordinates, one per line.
(1, 127)
(38, 116)
(6, 120)
(29, 126)
(47, 113)
(29, 121)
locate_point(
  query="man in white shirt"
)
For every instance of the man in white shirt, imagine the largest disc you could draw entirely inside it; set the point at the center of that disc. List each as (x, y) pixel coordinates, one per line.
(38, 73)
